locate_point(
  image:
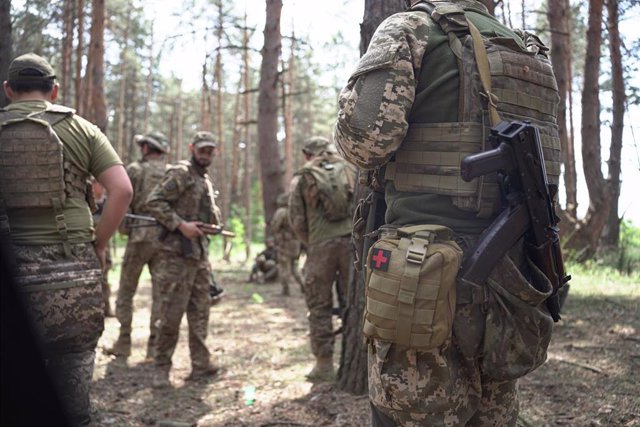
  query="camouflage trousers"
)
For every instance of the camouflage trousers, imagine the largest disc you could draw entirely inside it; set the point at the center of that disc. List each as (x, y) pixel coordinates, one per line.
(286, 273)
(325, 260)
(184, 287)
(440, 387)
(65, 301)
(136, 256)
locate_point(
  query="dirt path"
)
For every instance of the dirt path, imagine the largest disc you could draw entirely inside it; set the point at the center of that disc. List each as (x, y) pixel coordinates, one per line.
(260, 338)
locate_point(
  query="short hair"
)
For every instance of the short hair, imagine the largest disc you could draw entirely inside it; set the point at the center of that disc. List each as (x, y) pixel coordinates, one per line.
(26, 86)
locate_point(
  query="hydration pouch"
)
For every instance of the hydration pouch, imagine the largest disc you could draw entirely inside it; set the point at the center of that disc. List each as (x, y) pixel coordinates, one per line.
(410, 286)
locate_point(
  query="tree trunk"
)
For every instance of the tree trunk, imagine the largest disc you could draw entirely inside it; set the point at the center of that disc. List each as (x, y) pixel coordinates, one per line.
(67, 48)
(120, 113)
(79, 84)
(248, 225)
(352, 374)
(96, 111)
(149, 86)
(611, 234)
(287, 102)
(270, 167)
(205, 100)
(6, 45)
(588, 231)
(558, 13)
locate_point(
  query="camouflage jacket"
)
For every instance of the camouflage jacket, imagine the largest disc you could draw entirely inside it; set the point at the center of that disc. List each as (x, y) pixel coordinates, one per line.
(306, 215)
(184, 194)
(144, 175)
(286, 242)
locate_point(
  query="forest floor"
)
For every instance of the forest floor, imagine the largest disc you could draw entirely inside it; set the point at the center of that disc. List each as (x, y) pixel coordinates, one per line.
(260, 339)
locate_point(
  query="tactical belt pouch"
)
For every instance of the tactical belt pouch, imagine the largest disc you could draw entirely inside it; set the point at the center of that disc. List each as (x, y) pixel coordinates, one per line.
(410, 286)
(518, 326)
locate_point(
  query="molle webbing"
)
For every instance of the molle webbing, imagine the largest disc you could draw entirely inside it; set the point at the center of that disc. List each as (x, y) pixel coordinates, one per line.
(429, 161)
(31, 161)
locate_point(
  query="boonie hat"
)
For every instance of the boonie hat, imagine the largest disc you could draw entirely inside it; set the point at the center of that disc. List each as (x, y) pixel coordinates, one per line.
(315, 146)
(156, 139)
(30, 67)
(204, 139)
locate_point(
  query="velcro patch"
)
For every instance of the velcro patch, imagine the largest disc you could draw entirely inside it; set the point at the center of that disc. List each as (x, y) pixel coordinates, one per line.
(380, 259)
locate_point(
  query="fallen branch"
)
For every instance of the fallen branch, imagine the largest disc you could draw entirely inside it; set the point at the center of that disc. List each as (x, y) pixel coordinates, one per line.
(584, 366)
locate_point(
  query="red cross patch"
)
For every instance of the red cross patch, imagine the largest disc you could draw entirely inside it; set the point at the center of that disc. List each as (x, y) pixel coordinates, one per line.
(380, 259)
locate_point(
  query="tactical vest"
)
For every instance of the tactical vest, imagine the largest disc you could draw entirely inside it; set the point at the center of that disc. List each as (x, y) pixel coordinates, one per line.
(33, 172)
(149, 173)
(498, 81)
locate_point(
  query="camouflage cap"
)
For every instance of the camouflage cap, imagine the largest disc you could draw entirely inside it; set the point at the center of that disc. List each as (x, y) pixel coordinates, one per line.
(315, 146)
(30, 67)
(282, 200)
(204, 139)
(155, 139)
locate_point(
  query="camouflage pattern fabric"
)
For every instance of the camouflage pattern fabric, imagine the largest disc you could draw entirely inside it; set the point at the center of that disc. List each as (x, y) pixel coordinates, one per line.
(144, 175)
(448, 386)
(68, 313)
(136, 256)
(184, 287)
(324, 261)
(184, 194)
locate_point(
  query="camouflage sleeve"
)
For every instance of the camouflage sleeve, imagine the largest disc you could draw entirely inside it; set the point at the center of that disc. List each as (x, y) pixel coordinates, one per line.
(375, 104)
(161, 198)
(134, 171)
(297, 209)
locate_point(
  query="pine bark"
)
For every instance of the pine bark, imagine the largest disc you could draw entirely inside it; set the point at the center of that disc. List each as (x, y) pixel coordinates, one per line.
(79, 82)
(96, 109)
(352, 374)
(270, 167)
(67, 49)
(611, 236)
(558, 14)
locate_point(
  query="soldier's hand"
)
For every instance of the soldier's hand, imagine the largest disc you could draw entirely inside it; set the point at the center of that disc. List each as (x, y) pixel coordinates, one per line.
(190, 229)
(101, 251)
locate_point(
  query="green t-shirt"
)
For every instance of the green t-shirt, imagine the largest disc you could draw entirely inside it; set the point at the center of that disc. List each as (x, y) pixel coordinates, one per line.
(85, 146)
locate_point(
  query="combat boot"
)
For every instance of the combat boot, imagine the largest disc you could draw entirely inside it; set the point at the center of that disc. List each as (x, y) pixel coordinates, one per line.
(122, 347)
(210, 371)
(160, 378)
(285, 290)
(322, 371)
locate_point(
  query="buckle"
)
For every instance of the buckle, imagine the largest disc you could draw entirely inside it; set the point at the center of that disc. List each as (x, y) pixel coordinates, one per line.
(60, 224)
(417, 251)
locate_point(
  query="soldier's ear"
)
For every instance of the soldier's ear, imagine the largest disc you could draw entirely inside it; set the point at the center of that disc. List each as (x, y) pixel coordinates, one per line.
(53, 95)
(7, 90)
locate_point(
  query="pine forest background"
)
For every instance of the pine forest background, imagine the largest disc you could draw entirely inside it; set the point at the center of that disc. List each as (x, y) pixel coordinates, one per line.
(263, 90)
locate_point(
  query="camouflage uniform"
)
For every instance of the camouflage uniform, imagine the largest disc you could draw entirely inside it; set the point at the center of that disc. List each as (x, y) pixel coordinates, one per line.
(265, 267)
(185, 194)
(411, 73)
(142, 246)
(328, 251)
(287, 246)
(58, 269)
(106, 286)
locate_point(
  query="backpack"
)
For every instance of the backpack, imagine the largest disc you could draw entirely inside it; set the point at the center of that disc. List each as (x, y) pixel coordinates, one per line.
(335, 181)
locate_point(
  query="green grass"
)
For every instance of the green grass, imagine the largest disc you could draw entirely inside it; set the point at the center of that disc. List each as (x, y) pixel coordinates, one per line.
(591, 279)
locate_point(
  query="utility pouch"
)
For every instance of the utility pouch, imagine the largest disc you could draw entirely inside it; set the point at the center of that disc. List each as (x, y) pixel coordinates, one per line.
(410, 286)
(518, 325)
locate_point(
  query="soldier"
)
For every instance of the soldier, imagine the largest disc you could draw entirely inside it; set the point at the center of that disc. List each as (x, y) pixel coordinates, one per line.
(320, 210)
(265, 266)
(431, 70)
(46, 217)
(287, 246)
(182, 203)
(142, 244)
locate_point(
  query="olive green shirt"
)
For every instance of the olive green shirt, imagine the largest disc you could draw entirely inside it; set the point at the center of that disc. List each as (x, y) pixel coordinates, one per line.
(90, 151)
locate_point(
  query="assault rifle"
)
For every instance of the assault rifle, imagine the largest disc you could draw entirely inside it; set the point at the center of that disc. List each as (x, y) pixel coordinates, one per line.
(518, 160)
(210, 229)
(149, 221)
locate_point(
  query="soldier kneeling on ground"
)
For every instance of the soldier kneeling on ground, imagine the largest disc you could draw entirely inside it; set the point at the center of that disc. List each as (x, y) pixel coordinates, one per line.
(265, 267)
